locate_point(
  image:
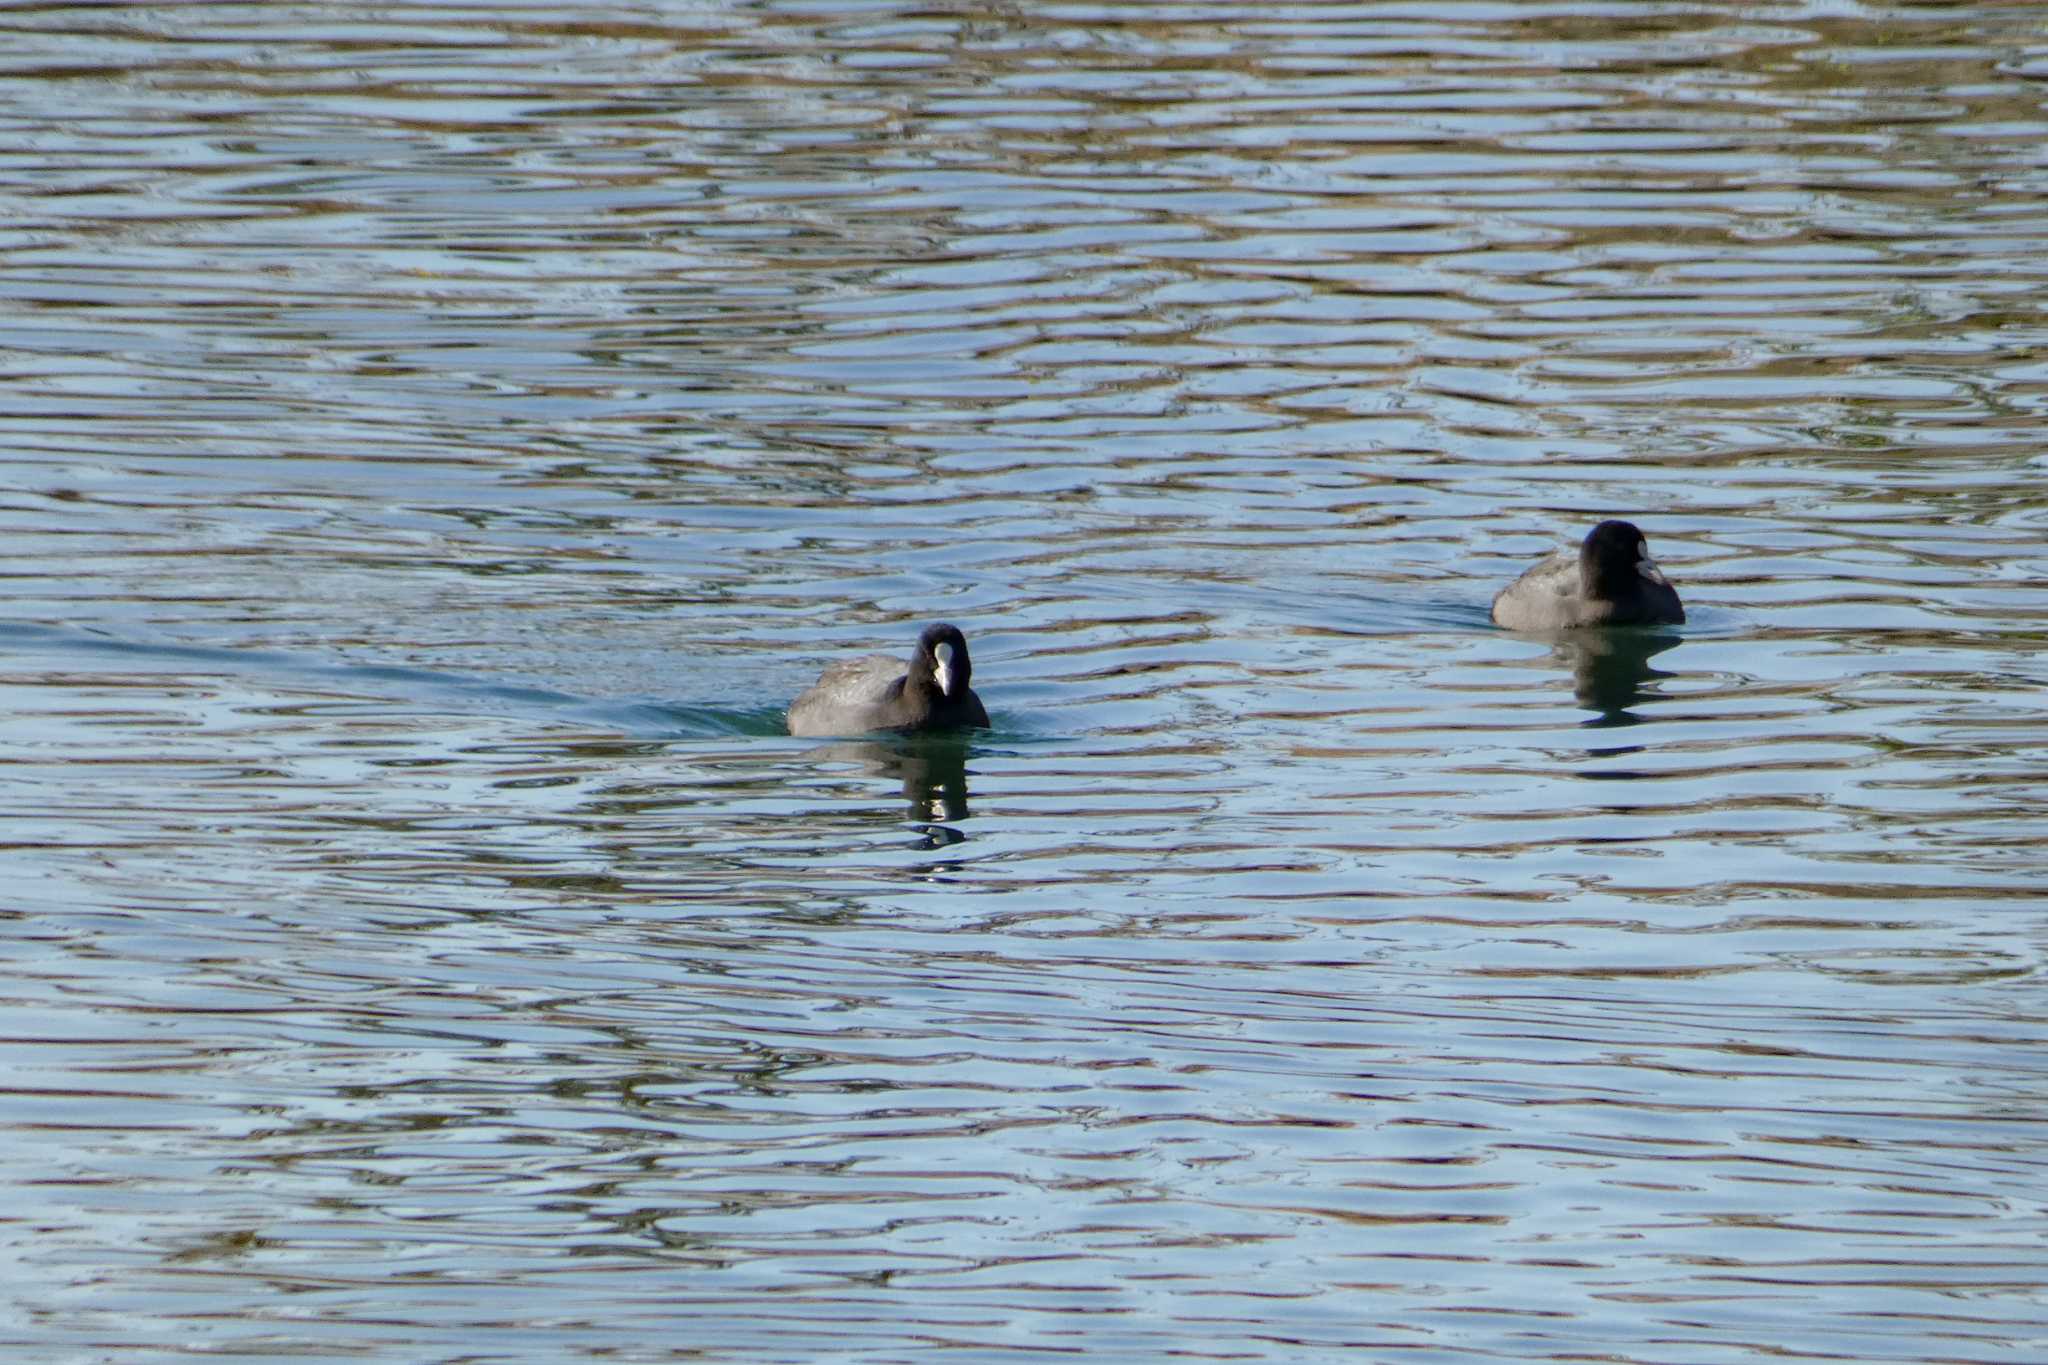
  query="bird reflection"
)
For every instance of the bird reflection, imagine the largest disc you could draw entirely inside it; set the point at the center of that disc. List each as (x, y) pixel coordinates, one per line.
(932, 768)
(1609, 670)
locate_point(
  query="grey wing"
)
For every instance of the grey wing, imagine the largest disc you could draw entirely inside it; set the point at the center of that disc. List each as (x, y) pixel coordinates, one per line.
(1557, 571)
(844, 699)
(1540, 596)
(856, 680)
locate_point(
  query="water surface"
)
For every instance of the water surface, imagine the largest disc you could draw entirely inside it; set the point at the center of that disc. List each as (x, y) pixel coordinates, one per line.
(440, 440)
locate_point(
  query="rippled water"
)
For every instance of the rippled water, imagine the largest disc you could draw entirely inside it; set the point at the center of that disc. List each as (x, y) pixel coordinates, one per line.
(439, 440)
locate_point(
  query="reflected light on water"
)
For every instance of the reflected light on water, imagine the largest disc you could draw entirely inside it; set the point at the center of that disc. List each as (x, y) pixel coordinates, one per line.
(440, 442)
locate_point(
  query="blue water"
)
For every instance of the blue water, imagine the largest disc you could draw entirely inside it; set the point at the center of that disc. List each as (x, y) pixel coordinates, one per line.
(440, 442)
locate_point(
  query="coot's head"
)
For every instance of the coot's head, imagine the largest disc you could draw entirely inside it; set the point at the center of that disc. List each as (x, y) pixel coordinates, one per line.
(942, 657)
(1613, 556)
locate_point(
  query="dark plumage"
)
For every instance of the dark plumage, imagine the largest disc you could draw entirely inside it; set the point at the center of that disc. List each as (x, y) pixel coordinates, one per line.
(881, 693)
(1609, 581)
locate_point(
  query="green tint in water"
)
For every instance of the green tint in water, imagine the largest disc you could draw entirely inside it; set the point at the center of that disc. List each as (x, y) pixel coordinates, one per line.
(440, 442)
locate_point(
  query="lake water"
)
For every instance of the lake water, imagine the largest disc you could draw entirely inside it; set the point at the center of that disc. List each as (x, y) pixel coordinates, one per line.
(439, 440)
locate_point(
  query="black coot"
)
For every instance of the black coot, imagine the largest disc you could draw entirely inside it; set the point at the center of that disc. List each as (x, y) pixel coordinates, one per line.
(880, 693)
(1610, 580)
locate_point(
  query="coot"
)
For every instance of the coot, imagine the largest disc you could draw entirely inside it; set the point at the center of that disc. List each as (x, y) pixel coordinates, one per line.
(1609, 581)
(881, 693)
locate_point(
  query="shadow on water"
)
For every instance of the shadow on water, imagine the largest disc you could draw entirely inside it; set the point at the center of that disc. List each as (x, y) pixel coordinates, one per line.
(1610, 670)
(383, 684)
(932, 769)
(1305, 984)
